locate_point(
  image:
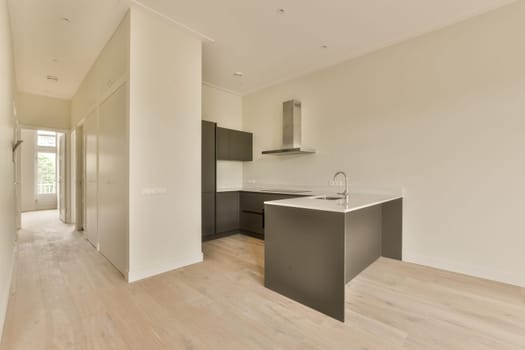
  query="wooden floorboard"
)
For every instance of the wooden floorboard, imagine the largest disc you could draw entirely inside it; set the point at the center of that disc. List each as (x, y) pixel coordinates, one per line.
(67, 296)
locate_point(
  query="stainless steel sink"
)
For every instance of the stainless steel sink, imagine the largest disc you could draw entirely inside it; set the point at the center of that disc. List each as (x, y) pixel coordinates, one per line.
(286, 191)
(329, 198)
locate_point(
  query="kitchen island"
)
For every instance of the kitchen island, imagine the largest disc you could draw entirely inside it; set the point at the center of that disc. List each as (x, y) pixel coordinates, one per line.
(315, 245)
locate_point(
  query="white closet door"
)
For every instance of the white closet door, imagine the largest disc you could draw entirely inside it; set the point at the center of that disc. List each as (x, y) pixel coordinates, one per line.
(113, 179)
(91, 179)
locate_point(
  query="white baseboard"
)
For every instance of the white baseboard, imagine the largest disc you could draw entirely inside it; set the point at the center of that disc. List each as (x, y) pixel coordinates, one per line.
(4, 294)
(139, 274)
(517, 279)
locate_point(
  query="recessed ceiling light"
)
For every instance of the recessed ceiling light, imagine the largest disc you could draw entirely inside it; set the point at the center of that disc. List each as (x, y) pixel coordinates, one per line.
(65, 19)
(281, 11)
(238, 74)
(52, 78)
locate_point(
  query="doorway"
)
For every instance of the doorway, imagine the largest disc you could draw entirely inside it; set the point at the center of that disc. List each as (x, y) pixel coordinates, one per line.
(43, 171)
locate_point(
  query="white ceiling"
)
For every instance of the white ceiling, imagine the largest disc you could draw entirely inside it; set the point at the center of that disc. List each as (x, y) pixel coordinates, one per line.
(40, 35)
(247, 36)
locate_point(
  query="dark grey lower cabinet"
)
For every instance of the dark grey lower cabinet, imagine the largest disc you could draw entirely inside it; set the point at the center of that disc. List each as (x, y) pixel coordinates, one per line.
(252, 211)
(252, 222)
(228, 210)
(235, 211)
(208, 215)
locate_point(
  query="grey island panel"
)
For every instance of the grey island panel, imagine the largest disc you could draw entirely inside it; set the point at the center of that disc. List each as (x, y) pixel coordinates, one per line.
(305, 257)
(363, 236)
(311, 254)
(392, 226)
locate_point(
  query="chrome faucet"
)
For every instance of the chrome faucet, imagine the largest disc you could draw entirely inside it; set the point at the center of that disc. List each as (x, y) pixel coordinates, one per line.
(346, 193)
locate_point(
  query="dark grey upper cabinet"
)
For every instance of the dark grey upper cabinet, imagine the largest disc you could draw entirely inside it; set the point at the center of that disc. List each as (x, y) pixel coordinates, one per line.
(223, 144)
(234, 145)
(241, 145)
(208, 156)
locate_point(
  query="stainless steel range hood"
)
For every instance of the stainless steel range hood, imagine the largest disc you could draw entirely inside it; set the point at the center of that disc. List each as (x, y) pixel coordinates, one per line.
(291, 131)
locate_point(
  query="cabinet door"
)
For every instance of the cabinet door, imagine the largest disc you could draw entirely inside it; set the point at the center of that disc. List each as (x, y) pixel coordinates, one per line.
(252, 222)
(227, 211)
(240, 145)
(252, 201)
(223, 144)
(234, 145)
(252, 209)
(208, 156)
(208, 177)
(208, 214)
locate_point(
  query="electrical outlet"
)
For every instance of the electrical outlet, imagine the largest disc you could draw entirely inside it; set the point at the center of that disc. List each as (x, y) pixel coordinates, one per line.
(154, 191)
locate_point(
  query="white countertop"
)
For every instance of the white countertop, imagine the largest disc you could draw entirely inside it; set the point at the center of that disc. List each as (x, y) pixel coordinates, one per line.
(229, 189)
(355, 202)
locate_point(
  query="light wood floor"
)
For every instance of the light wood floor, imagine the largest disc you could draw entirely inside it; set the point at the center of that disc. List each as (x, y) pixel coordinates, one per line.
(67, 296)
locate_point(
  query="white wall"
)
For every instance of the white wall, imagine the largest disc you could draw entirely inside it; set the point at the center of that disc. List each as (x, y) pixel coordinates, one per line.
(7, 169)
(27, 170)
(441, 116)
(224, 108)
(165, 151)
(42, 111)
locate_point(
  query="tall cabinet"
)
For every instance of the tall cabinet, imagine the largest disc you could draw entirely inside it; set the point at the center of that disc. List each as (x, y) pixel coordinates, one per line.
(220, 211)
(209, 176)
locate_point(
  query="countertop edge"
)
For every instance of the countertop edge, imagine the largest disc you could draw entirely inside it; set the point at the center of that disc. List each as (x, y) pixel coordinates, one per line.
(257, 190)
(342, 210)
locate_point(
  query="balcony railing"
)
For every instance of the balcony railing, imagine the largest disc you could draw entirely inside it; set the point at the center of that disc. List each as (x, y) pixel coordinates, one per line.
(47, 188)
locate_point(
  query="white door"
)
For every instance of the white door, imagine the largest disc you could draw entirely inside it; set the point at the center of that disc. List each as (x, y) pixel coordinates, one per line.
(61, 151)
(91, 178)
(113, 179)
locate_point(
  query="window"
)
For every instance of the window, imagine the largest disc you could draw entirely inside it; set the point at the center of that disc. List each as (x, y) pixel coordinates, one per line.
(46, 170)
(46, 138)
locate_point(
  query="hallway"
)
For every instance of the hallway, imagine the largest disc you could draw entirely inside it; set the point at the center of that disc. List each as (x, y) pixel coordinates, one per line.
(57, 279)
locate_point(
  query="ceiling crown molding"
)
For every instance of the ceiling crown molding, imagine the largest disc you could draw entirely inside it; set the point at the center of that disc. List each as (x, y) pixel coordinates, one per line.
(184, 27)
